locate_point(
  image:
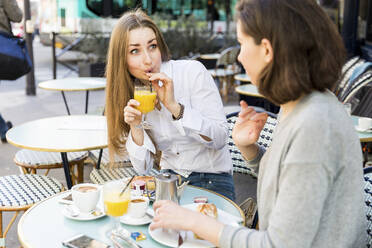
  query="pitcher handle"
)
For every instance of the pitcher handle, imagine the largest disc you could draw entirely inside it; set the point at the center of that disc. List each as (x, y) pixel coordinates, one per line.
(179, 180)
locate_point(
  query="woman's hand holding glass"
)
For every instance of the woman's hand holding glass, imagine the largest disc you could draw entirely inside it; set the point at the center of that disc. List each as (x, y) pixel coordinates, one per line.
(248, 126)
(132, 116)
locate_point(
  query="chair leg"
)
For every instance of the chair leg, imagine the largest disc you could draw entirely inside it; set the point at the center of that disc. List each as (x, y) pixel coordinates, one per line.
(2, 238)
(24, 170)
(3, 235)
(80, 172)
(46, 172)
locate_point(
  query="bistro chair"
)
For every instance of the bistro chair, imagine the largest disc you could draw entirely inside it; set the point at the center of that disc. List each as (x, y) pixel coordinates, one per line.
(347, 71)
(368, 202)
(239, 164)
(121, 168)
(30, 161)
(249, 205)
(356, 73)
(225, 70)
(19, 192)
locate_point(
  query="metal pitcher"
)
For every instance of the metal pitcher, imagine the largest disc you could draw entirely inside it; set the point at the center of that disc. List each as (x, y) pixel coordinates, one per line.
(169, 187)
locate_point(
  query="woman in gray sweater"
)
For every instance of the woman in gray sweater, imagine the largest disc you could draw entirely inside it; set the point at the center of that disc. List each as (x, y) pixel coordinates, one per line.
(310, 182)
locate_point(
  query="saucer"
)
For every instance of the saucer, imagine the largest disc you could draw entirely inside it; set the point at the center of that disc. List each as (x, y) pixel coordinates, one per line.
(127, 219)
(82, 216)
(369, 130)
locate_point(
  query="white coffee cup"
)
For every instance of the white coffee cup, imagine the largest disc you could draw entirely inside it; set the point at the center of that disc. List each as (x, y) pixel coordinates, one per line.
(85, 196)
(364, 123)
(138, 207)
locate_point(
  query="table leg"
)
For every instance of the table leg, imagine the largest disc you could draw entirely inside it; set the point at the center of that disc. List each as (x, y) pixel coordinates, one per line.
(66, 168)
(64, 99)
(86, 101)
(99, 159)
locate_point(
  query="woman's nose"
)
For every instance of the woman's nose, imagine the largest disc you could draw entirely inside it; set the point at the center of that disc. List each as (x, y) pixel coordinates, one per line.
(147, 58)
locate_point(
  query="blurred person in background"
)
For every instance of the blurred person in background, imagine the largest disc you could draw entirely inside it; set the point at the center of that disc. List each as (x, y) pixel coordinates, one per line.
(9, 12)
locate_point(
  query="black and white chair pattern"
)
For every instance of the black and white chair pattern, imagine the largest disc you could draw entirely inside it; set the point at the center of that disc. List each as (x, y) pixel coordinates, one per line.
(239, 164)
(20, 192)
(122, 168)
(356, 73)
(30, 161)
(368, 202)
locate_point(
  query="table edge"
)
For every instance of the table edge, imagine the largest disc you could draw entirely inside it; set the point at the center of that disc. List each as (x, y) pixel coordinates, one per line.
(77, 89)
(239, 78)
(247, 93)
(19, 230)
(57, 150)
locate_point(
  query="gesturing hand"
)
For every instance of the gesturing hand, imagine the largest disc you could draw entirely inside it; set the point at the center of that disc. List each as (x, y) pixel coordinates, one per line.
(166, 91)
(248, 126)
(132, 116)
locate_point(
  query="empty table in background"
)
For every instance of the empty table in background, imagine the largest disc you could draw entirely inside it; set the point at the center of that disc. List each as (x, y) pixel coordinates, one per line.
(242, 78)
(250, 94)
(75, 84)
(61, 134)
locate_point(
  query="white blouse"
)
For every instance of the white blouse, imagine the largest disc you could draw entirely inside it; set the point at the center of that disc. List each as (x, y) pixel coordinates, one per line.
(183, 149)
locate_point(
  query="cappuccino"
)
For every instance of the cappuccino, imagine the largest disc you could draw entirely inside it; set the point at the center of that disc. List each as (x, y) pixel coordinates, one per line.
(85, 189)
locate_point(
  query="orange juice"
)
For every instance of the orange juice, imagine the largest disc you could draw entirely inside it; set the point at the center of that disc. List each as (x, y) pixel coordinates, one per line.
(146, 99)
(116, 205)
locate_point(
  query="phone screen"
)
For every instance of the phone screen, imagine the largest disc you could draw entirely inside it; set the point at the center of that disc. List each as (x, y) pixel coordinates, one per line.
(83, 241)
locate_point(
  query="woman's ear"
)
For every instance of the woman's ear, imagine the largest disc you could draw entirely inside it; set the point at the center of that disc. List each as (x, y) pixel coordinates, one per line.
(267, 50)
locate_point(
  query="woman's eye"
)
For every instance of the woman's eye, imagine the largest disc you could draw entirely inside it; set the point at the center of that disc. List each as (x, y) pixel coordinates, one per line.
(134, 51)
(153, 46)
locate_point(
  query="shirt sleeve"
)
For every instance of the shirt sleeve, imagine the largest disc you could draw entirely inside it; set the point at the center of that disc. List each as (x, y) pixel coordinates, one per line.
(255, 162)
(141, 157)
(203, 114)
(293, 222)
(12, 10)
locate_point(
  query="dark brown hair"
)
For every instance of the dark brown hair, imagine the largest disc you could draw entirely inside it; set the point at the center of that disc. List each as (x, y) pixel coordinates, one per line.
(308, 50)
(119, 88)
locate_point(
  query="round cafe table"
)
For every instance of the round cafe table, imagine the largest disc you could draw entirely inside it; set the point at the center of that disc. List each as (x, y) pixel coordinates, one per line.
(242, 78)
(363, 136)
(75, 84)
(71, 133)
(211, 56)
(248, 90)
(44, 225)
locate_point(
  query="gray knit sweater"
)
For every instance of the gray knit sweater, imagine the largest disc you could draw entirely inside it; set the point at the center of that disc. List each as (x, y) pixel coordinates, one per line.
(310, 182)
(9, 11)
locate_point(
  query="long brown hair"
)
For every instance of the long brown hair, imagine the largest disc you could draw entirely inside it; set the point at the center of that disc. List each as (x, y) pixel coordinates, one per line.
(119, 89)
(308, 50)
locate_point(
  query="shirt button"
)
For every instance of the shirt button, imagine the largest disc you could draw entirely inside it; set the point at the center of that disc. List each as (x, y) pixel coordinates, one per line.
(178, 153)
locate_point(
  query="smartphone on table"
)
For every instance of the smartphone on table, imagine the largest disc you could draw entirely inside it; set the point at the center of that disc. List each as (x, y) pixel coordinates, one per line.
(84, 241)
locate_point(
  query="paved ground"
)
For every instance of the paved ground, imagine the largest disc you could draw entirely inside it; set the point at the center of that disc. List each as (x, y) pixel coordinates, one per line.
(19, 108)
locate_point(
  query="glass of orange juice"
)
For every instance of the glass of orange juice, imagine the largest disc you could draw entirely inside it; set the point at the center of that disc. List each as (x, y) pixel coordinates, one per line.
(115, 203)
(146, 96)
